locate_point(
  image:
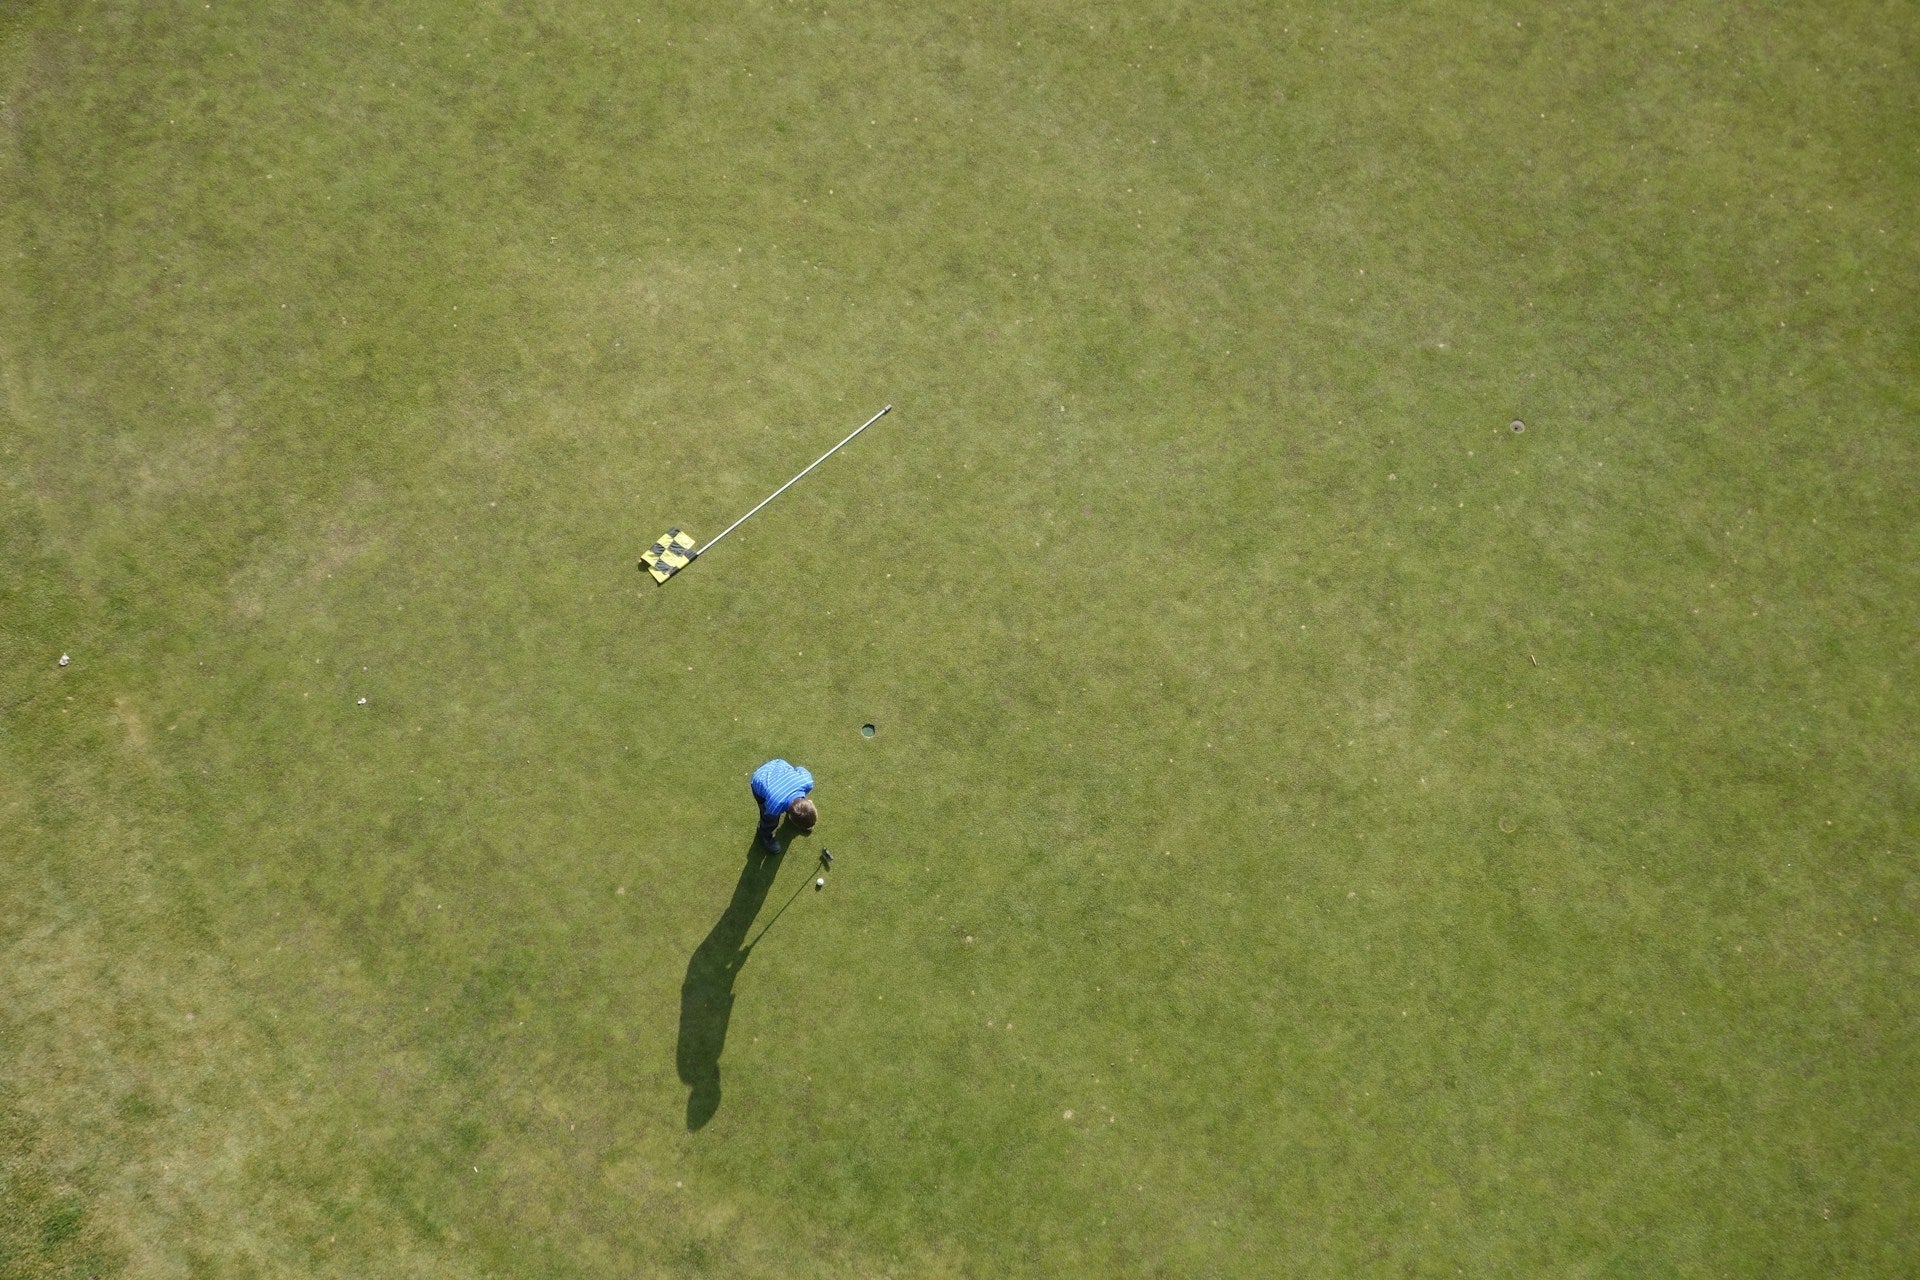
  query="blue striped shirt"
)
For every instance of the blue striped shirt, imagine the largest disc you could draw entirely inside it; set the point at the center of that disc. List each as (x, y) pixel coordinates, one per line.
(777, 784)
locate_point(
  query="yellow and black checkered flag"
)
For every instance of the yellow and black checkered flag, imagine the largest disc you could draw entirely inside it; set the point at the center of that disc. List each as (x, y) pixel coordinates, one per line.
(672, 553)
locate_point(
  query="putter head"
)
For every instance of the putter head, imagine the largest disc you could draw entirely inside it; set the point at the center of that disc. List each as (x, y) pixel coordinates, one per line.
(670, 553)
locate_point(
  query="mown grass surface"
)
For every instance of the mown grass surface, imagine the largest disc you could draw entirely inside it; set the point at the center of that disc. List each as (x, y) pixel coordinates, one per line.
(1312, 829)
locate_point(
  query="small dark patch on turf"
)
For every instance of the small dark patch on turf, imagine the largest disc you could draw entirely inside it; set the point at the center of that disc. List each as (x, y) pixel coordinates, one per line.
(867, 731)
(62, 1223)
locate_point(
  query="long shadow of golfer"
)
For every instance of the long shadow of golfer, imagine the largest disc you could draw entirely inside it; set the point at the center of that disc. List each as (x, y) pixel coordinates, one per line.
(706, 996)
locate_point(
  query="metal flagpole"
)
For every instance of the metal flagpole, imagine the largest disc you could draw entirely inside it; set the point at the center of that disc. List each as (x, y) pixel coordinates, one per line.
(789, 484)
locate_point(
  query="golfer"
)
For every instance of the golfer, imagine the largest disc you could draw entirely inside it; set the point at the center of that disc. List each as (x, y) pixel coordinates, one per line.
(781, 789)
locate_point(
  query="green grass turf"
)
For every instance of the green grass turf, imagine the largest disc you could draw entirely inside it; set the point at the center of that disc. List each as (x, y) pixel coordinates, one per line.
(1312, 829)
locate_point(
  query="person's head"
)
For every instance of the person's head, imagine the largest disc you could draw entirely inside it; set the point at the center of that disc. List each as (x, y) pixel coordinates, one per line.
(803, 813)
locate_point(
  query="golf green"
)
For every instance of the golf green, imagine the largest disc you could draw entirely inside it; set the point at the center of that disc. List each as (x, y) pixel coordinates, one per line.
(1310, 825)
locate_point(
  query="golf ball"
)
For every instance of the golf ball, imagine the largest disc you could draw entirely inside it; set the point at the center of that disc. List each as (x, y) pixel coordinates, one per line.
(819, 882)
